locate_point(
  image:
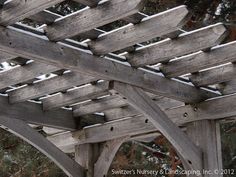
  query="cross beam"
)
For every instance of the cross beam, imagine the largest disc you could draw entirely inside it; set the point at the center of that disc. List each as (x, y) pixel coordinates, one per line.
(28, 46)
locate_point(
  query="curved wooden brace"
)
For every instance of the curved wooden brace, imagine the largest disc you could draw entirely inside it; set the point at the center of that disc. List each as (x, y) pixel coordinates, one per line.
(180, 141)
(24, 131)
(108, 153)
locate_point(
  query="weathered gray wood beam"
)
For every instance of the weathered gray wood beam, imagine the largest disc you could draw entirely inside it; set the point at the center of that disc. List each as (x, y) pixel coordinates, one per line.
(5, 57)
(27, 46)
(45, 17)
(206, 134)
(90, 3)
(214, 75)
(165, 50)
(86, 155)
(192, 63)
(143, 103)
(107, 155)
(22, 130)
(14, 11)
(64, 141)
(128, 111)
(98, 105)
(52, 85)
(150, 27)
(209, 110)
(131, 126)
(86, 20)
(33, 113)
(108, 104)
(134, 127)
(24, 73)
(76, 95)
(228, 87)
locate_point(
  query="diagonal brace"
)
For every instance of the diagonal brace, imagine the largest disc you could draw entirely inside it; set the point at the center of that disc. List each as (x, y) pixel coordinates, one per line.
(143, 103)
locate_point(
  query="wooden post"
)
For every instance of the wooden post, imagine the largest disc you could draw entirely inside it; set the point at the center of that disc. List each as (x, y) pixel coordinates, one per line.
(206, 135)
(86, 155)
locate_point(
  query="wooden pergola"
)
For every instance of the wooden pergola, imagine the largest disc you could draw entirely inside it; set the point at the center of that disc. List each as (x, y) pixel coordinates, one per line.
(110, 88)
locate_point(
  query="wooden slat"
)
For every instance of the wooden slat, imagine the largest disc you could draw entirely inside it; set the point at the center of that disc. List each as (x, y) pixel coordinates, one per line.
(76, 95)
(48, 86)
(112, 105)
(45, 17)
(33, 113)
(129, 111)
(24, 73)
(98, 105)
(214, 76)
(90, 3)
(143, 103)
(195, 62)
(27, 46)
(150, 27)
(163, 51)
(115, 101)
(86, 20)
(22, 130)
(17, 10)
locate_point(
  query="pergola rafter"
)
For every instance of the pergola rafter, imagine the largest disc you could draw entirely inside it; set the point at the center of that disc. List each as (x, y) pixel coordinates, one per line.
(147, 99)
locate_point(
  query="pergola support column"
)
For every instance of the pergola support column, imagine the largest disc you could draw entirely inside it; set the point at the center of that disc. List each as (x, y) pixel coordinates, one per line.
(206, 135)
(86, 155)
(96, 158)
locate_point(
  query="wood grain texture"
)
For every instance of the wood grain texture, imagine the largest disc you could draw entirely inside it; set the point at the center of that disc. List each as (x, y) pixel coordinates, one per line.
(24, 73)
(107, 155)
(143, 103)
(41, 50)
(150, 27)
(198, 61)
(216, 109)
(98, 105)
(128, 111)
(33, 113)
(76, 95)
(17, 10)
(22, 130)
(87, 155)
(5, 57)
(86, 20)
(228, 87)
(163, 51)
(214, 75)
(205, 134)
(51, 85)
